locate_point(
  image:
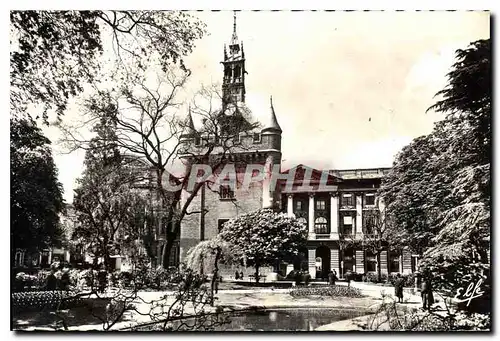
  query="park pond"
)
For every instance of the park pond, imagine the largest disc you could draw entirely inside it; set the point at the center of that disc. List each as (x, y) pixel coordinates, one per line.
(284, 319)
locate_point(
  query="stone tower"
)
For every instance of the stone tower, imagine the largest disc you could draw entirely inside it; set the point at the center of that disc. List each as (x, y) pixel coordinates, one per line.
(259, 145)
(233, 83)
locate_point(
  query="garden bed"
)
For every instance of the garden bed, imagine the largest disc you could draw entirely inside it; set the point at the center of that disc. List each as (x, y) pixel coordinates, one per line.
(90, 311)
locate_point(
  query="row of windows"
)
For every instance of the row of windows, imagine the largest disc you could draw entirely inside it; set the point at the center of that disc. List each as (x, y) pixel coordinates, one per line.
(256, 138)
(393, 263)
(321, 205)
(348, 200)
(347, 225)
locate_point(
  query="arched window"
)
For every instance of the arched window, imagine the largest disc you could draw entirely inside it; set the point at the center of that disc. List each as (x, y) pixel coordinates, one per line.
(237, 73)
(321, 226)
(302, 220)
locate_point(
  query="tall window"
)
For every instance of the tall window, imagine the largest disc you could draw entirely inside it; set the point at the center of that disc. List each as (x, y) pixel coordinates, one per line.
(321, 205)
(347, 200)
(197, 141)
(299, 206)
(237, 73)
(321, 226)
(393, 262)
(370, 199)
(371, 261)
(226, 192)
(347, 224)
(256, 138)
(370, 223)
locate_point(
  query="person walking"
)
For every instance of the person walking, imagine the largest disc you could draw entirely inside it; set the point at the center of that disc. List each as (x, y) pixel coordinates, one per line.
(331, 278)
(298, 278)
(398, 287)
(65, 280)
(215, 281)
(307, 278)
(51, 283)
(426, 290)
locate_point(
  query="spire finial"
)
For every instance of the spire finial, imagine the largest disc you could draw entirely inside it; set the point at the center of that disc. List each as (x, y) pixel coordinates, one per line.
(234, 39)
(271, 100)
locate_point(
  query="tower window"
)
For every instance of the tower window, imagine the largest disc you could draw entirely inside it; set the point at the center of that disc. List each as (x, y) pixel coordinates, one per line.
(237, 72)
(197, 141)
(256, 137)
(226, 192)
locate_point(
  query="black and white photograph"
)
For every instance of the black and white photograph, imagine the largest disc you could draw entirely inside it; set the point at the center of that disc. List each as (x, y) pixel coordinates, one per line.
(250, 170)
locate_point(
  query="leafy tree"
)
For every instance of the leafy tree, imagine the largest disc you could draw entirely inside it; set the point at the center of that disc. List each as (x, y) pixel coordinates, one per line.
(35, 194)
(439, 188)
(415, 190)
(106, 205)
(211, 252)
(380, 234)
(460, 251)
(54, 53)
(263, 236)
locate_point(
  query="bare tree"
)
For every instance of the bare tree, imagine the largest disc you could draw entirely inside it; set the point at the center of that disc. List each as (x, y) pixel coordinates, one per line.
(379, 234)
(149, 127)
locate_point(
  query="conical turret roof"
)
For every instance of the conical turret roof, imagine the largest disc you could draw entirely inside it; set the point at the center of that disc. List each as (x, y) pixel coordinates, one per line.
(272, 121)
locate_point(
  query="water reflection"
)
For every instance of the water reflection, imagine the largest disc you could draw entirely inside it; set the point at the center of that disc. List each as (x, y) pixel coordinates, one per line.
(289, 319)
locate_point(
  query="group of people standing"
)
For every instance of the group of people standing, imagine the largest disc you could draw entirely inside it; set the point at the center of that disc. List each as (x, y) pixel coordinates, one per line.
(426, 290)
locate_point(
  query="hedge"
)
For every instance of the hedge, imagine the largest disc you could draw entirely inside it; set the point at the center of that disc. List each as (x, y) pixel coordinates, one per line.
(44, 300)
(333, 291)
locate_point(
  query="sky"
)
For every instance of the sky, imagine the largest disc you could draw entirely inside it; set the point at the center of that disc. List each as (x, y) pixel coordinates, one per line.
(350, 89)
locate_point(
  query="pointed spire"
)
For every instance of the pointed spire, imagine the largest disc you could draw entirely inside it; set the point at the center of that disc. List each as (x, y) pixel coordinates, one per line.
(234, 38)
(190, 123)
(189, 129)
(272, 124)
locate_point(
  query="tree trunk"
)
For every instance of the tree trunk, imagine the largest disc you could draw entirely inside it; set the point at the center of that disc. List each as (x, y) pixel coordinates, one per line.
(167, 249)
(257, 279)
(213, 286)
(107, 262)
(379, 268)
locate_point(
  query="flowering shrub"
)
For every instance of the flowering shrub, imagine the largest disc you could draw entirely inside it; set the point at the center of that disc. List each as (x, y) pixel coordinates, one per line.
(41, 300)
(476, 321)
(262, 236)
(409, 280)
(124, 279)
(405, 318)
(73, 277)
(87, 278)
(333, 291)
(42, 276)
(24, 282)
(353, 276)
(156, 279)
(372, 277)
